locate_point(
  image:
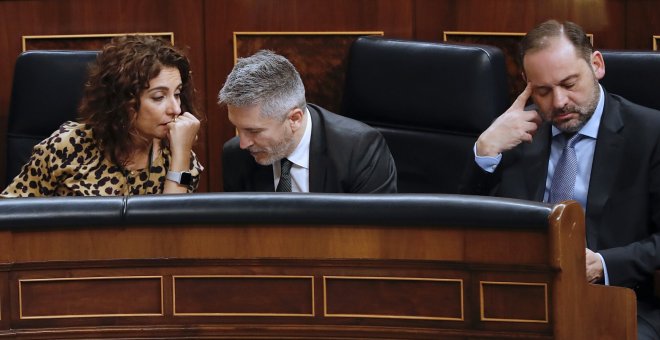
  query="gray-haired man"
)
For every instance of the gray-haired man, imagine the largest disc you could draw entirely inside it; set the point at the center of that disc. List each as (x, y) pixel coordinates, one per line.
(281, 138)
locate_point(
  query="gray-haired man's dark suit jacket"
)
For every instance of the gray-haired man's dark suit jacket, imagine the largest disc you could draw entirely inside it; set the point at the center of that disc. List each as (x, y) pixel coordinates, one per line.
(345, 156)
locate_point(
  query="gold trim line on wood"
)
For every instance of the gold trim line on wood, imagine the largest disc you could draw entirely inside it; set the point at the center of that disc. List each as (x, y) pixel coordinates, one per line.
(380, 316)
(310, 33)
(503, 34)
(655, 38)
(20, 297)
(174, 277)
(69, 316)
(100, 35)
(246, 314)
(320, 33)
(506, 34)
(505, 283)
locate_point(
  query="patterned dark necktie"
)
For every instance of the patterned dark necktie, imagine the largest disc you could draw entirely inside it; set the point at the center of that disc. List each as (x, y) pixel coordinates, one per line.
(285, 177)
(563, 182)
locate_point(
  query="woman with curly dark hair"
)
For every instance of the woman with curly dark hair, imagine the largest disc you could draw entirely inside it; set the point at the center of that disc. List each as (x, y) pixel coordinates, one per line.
(136, 133)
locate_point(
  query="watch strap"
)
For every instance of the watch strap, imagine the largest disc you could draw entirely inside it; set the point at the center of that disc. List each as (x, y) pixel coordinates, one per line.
(181, 177)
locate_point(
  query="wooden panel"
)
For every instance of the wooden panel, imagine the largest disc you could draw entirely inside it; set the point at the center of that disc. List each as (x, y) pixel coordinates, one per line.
(78, 41)
(322, 74)
(603, 18)
(4, 300)
(396, 298)
(527, 247)
(514, 302)
(642, 23)
(364, 242)
(245, 241)
(90, 297)
(243, 295)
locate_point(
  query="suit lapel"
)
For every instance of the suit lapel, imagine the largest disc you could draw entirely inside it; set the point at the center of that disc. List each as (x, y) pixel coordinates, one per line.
(605, 166)
(535, 162)
(318, 161)
(263, 178)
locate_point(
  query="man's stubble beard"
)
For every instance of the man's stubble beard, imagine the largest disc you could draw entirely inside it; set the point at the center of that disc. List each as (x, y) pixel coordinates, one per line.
(584, 112)
(278, 151)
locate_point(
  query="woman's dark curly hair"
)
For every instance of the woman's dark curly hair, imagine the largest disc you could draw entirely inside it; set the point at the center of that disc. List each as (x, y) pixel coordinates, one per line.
(122, 71)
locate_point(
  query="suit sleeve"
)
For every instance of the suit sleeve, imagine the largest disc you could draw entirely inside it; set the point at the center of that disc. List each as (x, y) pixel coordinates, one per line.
(477, 181)
(374, 170)
(635, 263)
(230, 180)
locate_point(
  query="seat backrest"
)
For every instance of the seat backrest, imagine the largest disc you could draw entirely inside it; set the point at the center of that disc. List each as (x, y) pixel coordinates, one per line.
(46, 92)
(634, 75)
(429, 100)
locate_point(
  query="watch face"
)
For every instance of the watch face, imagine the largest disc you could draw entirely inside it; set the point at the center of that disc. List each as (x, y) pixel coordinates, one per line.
(186, 178)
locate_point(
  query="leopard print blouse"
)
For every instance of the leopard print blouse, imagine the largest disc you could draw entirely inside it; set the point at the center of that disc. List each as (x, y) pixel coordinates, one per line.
(70, 163)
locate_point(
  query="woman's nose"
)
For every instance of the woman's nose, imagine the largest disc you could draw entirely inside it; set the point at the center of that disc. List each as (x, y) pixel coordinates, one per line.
(174, 106)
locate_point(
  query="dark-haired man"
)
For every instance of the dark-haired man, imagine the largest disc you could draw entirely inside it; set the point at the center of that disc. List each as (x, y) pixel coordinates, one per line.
(582, 143)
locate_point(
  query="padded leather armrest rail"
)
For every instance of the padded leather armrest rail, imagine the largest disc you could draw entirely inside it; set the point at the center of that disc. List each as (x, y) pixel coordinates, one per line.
(394, 209)
(60, 211)
(264, 208)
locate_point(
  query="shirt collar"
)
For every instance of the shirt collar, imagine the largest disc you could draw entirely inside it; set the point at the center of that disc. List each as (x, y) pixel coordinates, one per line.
(591, 128)
(300, 155)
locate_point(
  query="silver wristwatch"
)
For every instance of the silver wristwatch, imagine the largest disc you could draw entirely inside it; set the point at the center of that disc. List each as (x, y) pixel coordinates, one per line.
(181, 177)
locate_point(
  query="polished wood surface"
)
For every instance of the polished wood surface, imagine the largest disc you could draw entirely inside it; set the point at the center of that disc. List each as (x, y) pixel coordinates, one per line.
(206, 27)
(227, 280)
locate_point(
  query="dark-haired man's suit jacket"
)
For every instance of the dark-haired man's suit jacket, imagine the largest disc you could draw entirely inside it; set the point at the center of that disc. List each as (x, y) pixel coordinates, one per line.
(623, 202)
(345, 156)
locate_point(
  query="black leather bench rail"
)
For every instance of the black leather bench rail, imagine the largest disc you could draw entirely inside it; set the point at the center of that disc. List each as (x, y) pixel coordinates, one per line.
(61, 211)
(271, 208)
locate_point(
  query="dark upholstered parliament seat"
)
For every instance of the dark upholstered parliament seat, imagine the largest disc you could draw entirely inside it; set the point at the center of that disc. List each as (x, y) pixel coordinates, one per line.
(429, 100)
(46, 92)
(634, 75)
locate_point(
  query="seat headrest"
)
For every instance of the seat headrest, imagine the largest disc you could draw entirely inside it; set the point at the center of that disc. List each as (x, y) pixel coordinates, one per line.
(634, 75)
(46, 90)
(425, 85)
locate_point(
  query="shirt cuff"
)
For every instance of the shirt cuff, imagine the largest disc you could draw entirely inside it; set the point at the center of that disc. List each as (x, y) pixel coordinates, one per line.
(606, 278)
(487, 163)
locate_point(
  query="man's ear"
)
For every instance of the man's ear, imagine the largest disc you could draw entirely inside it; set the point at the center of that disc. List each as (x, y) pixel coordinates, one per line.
(296, 119)
(598, 64)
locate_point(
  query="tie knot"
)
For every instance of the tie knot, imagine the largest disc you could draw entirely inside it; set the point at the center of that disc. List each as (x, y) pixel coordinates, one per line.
(571, 140)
